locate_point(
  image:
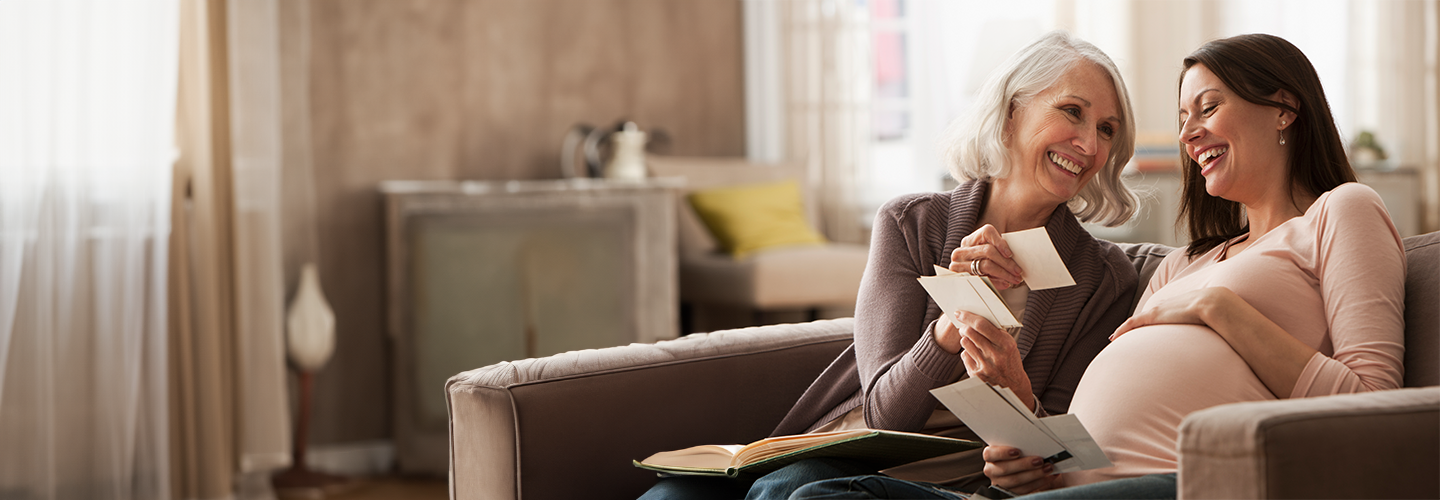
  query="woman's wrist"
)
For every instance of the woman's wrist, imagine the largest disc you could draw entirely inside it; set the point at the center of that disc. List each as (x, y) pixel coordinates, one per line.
(1221, 309)
(946, 335)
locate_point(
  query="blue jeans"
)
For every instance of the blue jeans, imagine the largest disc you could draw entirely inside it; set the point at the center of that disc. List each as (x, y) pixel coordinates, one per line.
(1154, 486)
(776, 485)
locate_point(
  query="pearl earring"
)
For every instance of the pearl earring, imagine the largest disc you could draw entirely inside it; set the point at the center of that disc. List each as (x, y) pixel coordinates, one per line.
(1282, 133)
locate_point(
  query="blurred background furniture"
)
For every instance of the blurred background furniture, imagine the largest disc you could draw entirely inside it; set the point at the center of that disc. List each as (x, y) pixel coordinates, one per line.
(1159, 189)
(1401, 190)
(807, 281)
(484, 272)
(567, 426)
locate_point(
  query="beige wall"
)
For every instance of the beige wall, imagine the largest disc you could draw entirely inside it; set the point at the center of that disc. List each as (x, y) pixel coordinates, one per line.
(469, 89)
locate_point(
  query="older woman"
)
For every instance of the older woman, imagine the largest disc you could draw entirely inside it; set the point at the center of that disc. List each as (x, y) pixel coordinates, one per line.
(1044, 144)
(1299, 294)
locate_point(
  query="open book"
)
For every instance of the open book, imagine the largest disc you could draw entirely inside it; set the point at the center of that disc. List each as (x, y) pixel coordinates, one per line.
(878, 448)
(1031, 249)
(997, 416)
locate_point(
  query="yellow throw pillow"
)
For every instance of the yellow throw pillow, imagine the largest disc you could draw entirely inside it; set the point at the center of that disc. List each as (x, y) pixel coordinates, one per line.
(755, 216)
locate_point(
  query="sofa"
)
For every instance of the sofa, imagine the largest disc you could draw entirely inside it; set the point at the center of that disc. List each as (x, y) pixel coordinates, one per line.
(567, 426)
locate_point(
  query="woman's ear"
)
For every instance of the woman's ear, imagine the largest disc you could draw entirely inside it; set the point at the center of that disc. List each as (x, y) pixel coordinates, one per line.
(1286, 117)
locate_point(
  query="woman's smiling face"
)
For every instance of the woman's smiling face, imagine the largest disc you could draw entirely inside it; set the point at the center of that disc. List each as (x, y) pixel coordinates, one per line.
(1235, 142)
(1062, 136)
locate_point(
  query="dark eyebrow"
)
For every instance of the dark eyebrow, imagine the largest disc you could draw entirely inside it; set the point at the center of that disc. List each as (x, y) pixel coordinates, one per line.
(1200, 95)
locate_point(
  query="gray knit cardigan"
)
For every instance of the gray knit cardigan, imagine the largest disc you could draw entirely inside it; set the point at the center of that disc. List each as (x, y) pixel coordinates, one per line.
(894, 360)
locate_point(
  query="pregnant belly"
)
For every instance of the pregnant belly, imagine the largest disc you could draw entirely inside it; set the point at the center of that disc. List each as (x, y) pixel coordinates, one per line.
(1135, 393)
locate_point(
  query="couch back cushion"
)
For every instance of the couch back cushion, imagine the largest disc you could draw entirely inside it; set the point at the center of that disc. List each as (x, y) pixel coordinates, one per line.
(1422, 310)
(1146, 257)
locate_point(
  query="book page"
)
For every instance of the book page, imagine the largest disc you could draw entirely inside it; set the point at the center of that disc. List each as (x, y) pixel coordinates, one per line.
(1036, 254)
(769, 447)
(878, 448)
(710, 456)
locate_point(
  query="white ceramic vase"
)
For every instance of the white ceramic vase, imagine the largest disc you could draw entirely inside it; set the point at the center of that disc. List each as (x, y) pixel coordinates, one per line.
(310, 324)
(627, 162)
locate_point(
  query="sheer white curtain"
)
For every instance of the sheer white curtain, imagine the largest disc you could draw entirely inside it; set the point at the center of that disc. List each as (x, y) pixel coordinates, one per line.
(87, 113)
(808, 99)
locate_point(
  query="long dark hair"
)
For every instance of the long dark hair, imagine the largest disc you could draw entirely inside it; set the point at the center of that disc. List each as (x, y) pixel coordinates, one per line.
(1255, 66)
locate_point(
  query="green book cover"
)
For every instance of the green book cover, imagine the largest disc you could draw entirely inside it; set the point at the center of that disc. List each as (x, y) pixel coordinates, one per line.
(878, 448)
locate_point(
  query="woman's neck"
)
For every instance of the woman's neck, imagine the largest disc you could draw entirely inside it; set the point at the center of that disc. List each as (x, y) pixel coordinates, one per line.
(1009, 208)
(1269, 212)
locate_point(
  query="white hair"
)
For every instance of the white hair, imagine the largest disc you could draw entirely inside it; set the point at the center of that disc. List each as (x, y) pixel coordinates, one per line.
(975, 145)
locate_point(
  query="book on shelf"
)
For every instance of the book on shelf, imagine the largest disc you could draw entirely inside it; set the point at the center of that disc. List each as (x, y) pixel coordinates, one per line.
(880, 449)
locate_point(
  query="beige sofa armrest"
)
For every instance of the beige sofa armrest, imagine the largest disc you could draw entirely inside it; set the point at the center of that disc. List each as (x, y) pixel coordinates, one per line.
(568, 425)
(1374, 445)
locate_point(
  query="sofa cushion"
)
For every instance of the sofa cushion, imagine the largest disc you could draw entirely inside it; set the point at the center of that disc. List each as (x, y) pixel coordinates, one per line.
(1422, 310)
(709, 172)
(1147, 258)
(751, 217)
(777, 278)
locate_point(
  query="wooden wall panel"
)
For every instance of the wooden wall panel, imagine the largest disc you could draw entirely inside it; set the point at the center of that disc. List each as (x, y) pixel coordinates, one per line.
(482, 89)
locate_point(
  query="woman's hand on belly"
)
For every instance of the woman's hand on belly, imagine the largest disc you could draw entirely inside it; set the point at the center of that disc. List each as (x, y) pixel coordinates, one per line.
(1007, 469)
(1190, 308)
(1275, 355)
(988, 352)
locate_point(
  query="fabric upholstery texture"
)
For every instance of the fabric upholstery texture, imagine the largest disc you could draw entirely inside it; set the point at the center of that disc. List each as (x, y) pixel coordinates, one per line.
(1371, 445)
(751, 217)
(566, 426)
(1422, 310)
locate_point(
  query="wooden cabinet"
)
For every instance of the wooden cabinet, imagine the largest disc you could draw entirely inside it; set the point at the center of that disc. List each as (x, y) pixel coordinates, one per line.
(484, 272)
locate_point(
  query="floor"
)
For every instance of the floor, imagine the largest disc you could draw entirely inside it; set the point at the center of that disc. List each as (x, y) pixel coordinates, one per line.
(384, 488)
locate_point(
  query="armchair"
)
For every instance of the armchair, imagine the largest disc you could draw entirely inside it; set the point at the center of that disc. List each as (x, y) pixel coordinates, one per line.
(802, 278)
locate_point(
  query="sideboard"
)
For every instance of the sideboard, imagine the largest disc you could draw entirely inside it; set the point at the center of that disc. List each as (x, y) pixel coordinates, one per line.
(483, 272)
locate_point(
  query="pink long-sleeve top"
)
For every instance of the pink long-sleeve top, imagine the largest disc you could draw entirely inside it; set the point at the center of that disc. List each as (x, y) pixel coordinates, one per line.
(1333, 278)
